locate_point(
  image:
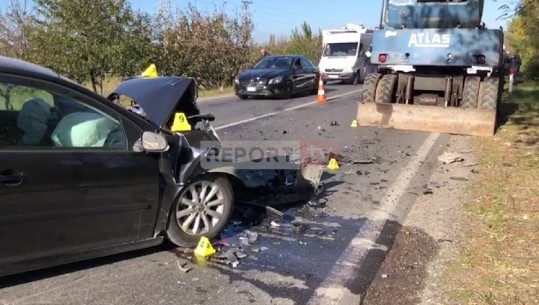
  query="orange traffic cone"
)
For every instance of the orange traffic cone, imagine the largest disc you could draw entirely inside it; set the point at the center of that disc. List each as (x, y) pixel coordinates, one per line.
(321, 92)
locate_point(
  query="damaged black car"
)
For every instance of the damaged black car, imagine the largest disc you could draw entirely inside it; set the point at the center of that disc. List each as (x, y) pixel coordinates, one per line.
(82, 176)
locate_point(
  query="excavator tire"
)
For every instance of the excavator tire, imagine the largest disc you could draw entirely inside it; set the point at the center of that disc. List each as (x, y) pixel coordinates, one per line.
(368, 89)
(470, 93)
(491, 87)
(385, 90)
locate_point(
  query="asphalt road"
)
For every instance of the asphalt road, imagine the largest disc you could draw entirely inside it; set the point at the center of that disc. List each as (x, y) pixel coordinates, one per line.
(329, 259)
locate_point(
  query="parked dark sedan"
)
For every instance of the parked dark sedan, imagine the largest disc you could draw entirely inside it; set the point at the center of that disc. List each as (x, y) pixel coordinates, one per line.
(279, 76)
(81, 176)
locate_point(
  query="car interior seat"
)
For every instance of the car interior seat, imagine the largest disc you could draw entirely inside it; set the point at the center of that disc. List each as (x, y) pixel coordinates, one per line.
(32, 120)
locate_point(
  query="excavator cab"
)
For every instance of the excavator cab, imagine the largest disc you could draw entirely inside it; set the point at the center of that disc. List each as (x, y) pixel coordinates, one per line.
(441, 14)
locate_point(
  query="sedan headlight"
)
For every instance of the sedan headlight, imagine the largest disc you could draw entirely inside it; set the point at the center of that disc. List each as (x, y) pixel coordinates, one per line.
(275, 80)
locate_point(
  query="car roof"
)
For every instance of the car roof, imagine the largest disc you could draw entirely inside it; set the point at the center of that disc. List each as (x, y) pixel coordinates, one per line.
(287, 55)
(24, 67)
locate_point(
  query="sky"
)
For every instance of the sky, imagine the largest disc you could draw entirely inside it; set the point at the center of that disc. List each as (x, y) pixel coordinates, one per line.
(281, 16)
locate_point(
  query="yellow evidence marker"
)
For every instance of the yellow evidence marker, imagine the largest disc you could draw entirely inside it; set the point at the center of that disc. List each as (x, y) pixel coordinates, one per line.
(151, 72)
(180, 123)
(204, 247)
(333, 164)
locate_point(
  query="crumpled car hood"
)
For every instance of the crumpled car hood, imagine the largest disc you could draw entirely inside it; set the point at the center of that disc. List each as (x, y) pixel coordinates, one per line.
(161, 97)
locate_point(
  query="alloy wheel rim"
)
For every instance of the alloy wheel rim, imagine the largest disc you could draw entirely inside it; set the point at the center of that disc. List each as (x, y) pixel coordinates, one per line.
(200, 208)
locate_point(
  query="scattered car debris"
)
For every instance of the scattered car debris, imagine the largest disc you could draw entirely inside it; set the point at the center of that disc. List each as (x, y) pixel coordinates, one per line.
(182, 268)
(366, 161)
(447, 158)
(428, 191)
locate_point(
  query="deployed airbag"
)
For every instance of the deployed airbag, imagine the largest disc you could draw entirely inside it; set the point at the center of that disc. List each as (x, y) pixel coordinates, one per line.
(83, 129)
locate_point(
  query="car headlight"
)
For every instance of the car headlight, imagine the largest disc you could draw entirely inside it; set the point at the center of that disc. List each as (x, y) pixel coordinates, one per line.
(347, 70)
(275, 80)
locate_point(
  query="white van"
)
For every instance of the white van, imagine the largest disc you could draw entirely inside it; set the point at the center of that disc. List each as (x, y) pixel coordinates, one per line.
(346, 54)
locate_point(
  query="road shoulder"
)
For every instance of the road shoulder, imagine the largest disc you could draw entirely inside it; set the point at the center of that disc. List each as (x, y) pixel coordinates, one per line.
(427, 242)
(473, 239)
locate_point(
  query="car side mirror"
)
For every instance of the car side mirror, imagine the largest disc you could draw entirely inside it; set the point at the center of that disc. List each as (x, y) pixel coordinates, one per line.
(152, 142)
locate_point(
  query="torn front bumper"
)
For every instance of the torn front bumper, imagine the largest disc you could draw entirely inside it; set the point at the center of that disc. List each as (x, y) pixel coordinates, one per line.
(275, 187)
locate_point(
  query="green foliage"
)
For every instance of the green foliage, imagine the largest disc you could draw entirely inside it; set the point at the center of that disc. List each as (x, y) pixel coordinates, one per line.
(212, 48)
(522, 35)
(13, 42)
(95, 40)
(303, 42)
(86, 40)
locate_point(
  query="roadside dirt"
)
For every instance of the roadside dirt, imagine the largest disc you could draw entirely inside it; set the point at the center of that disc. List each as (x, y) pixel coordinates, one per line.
(428, 240)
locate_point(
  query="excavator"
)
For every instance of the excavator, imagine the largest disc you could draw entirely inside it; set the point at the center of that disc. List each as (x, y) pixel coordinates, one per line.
(439, 69)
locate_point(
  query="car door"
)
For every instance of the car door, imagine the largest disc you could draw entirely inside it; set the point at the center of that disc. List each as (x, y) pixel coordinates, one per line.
(69, 180)
(299, 75)
(310, 73)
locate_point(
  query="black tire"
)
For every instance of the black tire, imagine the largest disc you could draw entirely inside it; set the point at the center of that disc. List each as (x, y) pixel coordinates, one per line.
(489, 96)
(470, 92)
(355, 80)
(179, 236)
(289, 90)
(242, 97)
(385, 91)
(368, 90)
(315, 89)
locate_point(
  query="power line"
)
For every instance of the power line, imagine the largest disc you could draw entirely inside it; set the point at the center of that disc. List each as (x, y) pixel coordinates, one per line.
(246, 7)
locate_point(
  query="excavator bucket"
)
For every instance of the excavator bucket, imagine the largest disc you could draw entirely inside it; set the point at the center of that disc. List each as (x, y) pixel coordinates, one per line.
(451, 120)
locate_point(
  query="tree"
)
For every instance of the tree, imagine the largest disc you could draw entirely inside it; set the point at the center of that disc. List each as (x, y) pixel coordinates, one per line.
(87, 39)
(13, 41)
(212, 47)
(303, 42)
(521, 35)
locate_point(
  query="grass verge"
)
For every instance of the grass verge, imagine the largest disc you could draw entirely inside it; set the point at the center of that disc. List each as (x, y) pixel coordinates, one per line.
(499, 264)
(112, 82)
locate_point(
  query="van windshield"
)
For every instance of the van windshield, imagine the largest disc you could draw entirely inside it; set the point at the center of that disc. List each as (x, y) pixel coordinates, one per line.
(341, 49)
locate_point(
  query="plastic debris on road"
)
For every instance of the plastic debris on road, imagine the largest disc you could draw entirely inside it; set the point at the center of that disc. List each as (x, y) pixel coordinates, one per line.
(447, 158)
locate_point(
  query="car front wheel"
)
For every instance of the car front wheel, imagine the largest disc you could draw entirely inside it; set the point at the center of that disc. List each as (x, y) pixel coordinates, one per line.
(289, 90)
(203, 208)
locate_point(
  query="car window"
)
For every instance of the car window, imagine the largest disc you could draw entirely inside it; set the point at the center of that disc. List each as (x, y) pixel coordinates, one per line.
(306, 63)
(274, 63)
(297, 64)
(35, 115)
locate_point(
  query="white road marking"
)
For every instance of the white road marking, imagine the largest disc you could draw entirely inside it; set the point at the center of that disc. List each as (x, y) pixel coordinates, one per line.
(333, 290)
(281, 111)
